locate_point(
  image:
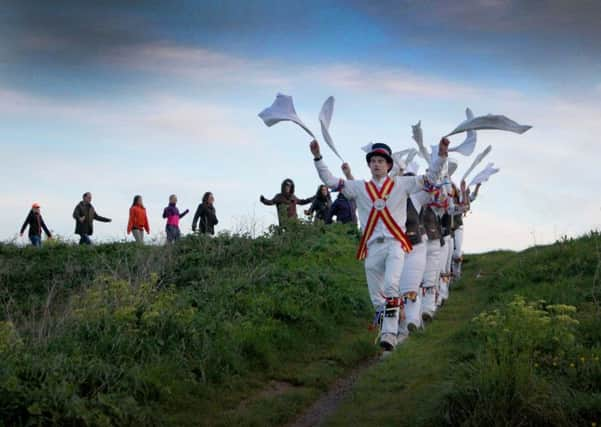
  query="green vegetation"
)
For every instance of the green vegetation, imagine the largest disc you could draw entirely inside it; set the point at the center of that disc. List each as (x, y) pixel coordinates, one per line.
(518, 344)
(242, 331)
(221, 331)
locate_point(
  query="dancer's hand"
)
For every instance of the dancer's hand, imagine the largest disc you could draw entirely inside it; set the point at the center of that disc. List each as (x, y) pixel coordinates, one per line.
(443, 147)
(315, 150)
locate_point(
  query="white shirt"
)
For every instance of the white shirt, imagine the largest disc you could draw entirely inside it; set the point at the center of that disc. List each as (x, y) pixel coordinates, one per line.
(397, 199)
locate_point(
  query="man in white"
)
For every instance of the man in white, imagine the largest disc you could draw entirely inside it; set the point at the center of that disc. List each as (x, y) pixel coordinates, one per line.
(382, 207)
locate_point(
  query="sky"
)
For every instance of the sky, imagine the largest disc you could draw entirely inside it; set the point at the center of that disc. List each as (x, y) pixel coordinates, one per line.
(160, 97)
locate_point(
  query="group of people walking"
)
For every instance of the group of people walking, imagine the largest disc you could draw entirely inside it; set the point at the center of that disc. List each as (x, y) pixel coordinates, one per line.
(412, 234)
(84, 214)
(321, 208)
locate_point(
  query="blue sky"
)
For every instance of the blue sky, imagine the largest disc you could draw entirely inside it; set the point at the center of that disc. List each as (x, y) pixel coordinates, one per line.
(162, 97)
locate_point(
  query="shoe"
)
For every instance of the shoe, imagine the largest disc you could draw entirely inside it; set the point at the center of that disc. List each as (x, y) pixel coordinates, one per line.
(388, 341)
(426, 317)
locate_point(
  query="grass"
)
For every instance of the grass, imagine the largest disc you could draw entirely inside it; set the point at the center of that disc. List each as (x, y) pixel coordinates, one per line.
(187, 335)
(242, 331)
(518, 344)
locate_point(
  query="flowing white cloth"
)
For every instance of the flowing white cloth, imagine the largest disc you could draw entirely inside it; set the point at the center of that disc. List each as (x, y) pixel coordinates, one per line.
(468, 146)
(483, 176)
(477, 161)
(325, 118)
(490, 121)
(418, 137)
(281, 110)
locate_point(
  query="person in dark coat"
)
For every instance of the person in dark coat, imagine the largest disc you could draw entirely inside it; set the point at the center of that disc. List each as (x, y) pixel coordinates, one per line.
(36, 224)
(344, 210)
(286, 202)
(84, 215)
(205, 215)
(321, 204)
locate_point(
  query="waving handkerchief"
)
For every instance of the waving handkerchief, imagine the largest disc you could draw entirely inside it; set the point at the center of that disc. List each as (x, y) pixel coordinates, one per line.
(325, 118)
(452, 166)
(477, 161)
(281, 110)
(468, 146)
(490, 121)
(483, 176)
(418, 137)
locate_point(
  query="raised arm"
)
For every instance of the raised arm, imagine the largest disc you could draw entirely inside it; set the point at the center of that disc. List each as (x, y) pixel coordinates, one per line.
(418, 183)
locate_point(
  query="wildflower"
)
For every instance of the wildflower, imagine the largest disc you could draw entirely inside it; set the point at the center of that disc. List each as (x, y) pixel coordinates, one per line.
(582, 359)
(571, 365)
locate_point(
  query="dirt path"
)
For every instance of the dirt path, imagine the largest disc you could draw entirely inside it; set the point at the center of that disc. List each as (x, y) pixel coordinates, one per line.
(327, 404)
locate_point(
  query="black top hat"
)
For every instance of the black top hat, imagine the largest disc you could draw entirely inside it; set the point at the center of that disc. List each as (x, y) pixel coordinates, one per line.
(382, 150)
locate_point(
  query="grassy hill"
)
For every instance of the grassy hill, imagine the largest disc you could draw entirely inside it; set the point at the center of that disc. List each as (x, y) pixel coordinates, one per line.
(241, 331)
(192, 334)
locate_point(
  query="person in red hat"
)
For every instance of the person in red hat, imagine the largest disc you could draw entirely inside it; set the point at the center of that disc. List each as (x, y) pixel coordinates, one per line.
(36, 224)
(382, 207)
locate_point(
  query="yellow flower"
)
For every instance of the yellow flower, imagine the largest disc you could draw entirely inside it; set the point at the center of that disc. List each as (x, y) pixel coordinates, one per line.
(571, 365)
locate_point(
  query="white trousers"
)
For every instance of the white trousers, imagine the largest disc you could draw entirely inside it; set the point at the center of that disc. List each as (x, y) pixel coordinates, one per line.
(383, 267)
(411, 278)
(457, 252)
(431, 276)
(447, 251)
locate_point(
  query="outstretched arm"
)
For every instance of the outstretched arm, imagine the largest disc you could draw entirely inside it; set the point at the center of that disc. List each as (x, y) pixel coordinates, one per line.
(418, 183)
(322, 169)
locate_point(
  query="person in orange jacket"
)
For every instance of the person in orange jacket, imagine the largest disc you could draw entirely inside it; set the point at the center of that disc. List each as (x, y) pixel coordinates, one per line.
(138, 221)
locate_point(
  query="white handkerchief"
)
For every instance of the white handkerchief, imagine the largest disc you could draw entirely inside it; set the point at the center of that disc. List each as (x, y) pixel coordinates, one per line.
(282, 109)
(452, 166)
(418, 137)
(490, 121)
(325, 118)
(468, 146)
(477, 161)
(486, 173)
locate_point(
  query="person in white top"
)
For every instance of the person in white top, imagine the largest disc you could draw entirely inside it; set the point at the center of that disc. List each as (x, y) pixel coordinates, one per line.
(382, 207)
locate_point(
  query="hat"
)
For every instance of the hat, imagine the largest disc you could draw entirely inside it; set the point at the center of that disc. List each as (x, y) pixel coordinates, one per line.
(35, 205)
(380, 149)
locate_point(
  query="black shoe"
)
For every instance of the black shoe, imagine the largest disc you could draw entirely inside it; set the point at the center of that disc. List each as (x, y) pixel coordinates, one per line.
(412, 327)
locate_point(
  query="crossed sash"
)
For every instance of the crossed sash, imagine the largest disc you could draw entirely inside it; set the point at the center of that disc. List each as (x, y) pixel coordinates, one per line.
(379, 211)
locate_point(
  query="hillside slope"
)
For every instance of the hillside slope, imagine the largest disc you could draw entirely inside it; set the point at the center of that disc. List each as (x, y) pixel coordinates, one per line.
(241, 331)
(518, 344)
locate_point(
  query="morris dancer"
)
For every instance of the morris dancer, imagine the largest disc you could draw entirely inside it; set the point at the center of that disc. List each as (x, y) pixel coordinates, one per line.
(430, 283)
(382, 207)
(462, 206)
(415, 261)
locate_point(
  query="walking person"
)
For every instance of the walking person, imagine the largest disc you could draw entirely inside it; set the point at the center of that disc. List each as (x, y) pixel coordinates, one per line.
(382, 207)
(172, 214)
(322, 202)
(36, 224)
(344, 210)
(285, 202)
(138, 221)
(205, 215)
(84, 215)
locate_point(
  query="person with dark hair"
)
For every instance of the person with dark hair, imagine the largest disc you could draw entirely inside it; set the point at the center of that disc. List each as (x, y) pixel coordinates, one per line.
(138, 221)
(172, 214)
(36, 224)
(343, 209)
(205, 215)
(285, 202)
(322, 202)
(84, 215)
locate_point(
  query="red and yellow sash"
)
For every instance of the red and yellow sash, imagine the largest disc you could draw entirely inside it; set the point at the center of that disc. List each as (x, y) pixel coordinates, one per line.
(380, 211)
